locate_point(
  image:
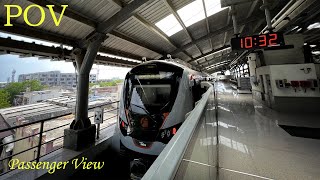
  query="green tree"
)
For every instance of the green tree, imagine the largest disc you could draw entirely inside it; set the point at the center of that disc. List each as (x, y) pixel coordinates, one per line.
(4, 99)
(34, 85)
(92, 84)
(14, 89)
(105, 84)
(17, 88)
(111, 83)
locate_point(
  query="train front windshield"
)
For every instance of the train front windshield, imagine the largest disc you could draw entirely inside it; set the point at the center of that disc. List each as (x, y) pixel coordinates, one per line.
(151, 97)
(148, 101)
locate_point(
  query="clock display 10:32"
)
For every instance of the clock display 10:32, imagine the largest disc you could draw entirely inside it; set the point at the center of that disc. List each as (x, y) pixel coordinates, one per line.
(258, 41)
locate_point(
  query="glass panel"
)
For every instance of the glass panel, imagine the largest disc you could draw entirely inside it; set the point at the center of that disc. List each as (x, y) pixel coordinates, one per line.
(151, 95)
(169, 25)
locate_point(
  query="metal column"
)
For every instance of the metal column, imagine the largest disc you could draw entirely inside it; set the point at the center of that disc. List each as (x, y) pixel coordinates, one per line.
(84, 66)
(265, 7)
(81, 133)
(234, 20)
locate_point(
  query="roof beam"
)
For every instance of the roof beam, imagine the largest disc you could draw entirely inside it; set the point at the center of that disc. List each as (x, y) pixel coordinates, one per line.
(121, 16)
(212, 60)
(33, 50)
(207, 22)
(214, 33)
(216, 61)
(228, 22)
(290, 12)
(116, 61)
(225, 3)
(176, 15)
(119, 53)
(134, 41)
(154, 29)
(35, 33)
(252, 8)
(208, 54)
(90, 22)
(157, 31)
(218, 65)
(99, 62)
(68, 12)
(119, 3)
(257, 25)
(214, 69)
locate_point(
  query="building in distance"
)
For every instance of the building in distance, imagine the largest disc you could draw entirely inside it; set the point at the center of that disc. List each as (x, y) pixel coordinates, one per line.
(55, 78)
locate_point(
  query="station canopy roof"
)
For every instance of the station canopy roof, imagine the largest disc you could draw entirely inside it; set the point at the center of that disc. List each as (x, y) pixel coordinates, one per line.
(195, 31)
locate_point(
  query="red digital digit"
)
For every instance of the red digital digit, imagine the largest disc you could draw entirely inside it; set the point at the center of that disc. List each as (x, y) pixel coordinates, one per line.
(248, 42)
(241, 43)
(263, 41)
(273, 39)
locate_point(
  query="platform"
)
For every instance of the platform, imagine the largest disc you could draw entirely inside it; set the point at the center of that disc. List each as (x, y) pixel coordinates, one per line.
(251, 143)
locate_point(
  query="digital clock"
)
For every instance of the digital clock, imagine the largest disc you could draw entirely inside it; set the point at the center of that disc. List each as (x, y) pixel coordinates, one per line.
(257, 41)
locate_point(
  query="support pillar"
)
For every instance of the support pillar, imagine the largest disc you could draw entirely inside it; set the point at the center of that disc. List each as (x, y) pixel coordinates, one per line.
(82, 133)
(265, 7)
(233, 14)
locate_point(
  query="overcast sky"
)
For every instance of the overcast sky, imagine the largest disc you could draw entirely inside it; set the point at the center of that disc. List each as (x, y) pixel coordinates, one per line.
(32, 65)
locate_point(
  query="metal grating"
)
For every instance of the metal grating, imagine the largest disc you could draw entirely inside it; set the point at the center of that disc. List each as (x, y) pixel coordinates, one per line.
(178, 4)
(68, 26)
(198, 29)
(194, 51)
(217, 41)
(230, 34)
(181, 38)
(135, 29)
(205, 46)
(183, 56)
(123, 45)
(155, 11)
(219, 20)
(98, 10)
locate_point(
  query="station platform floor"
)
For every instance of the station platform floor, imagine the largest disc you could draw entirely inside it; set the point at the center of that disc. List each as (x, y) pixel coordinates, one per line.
(249, 141)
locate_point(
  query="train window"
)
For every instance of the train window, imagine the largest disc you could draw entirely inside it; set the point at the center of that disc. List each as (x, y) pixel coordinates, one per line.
(151, 95)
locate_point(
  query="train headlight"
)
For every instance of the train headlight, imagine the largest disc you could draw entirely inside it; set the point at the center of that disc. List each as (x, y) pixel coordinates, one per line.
(128, 130)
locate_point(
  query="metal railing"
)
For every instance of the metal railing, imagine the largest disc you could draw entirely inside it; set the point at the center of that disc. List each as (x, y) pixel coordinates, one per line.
(40, 133)
(167, 163)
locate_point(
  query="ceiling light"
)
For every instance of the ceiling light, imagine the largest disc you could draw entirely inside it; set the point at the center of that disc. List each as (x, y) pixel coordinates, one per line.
(314, 26)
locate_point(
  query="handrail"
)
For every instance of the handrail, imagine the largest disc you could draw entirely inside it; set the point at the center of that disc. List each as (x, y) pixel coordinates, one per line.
(51, 118)
(167, 163)
(38, 146)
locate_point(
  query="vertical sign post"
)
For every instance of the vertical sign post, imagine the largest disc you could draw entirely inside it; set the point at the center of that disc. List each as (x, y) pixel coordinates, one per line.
(98, 118)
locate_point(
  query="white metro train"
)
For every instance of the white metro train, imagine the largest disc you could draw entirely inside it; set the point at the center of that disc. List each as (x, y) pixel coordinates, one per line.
(155, 99)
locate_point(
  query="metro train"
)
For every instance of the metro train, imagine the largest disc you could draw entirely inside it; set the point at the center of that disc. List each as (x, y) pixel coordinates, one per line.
(156, 97)
(220, 76)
